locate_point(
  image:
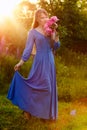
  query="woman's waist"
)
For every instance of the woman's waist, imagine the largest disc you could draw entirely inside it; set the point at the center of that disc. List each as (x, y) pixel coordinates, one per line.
(44, 51)
(44, 54)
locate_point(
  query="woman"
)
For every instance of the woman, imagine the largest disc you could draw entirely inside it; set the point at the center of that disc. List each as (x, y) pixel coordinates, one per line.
(37, 94)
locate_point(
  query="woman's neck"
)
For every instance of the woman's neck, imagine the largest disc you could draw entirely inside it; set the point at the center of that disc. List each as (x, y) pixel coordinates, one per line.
(40, 28)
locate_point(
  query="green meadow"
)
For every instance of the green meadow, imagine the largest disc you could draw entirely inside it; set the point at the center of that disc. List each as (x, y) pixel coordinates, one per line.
(71, 74)
(71, 116)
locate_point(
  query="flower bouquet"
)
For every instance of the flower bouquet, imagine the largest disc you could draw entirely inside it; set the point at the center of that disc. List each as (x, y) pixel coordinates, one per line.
(51, 25)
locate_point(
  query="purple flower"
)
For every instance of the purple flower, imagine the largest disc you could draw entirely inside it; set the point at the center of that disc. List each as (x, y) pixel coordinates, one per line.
(73, 112)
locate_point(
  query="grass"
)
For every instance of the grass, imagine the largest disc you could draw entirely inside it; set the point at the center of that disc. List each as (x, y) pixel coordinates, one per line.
(11, 117)
(71, 76)
(72, 87)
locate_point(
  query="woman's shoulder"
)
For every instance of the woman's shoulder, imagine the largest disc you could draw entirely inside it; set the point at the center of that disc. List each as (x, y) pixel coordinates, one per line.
(31, 32)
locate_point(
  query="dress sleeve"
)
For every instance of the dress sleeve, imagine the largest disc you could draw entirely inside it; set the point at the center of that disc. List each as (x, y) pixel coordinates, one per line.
(28, 48)
(56, 45)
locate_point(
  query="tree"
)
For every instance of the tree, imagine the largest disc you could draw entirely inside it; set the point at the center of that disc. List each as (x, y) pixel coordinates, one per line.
(16, 33)
(82, 24)
(72, 15)
(24, 12)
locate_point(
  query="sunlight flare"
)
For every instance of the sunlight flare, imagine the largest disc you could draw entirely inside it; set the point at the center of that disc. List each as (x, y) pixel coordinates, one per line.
(33, 1)
(7, 6)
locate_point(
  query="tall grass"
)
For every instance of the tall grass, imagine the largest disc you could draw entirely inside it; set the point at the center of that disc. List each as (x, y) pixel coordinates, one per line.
(71, 68)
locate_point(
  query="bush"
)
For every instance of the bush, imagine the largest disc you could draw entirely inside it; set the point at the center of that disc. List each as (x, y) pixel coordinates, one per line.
(7, 71)
(70, 57)
(71, 76)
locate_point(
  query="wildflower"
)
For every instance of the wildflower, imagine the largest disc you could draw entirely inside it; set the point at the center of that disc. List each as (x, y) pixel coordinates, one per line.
(73, 112)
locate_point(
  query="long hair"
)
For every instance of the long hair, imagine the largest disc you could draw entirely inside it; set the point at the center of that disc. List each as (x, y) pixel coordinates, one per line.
(36, 15)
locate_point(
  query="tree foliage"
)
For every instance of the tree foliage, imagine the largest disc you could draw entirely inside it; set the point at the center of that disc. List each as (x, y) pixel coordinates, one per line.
(72, 15)
(15, 29)
(24, 12)
(72, 21)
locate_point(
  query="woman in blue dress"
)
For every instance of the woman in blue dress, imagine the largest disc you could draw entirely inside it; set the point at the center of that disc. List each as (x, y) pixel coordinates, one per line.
(37, 94)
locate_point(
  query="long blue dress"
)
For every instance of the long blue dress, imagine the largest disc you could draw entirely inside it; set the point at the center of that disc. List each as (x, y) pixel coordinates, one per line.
(37, 94)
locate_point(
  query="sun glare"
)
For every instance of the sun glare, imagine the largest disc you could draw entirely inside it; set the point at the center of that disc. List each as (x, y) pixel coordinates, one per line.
(33, 1)
(7, 6)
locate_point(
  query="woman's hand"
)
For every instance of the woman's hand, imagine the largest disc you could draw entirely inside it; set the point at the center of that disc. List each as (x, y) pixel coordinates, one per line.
(18, 65)
(54, 36)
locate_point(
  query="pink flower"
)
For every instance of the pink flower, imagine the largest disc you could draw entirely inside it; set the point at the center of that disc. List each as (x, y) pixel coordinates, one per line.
(54, 18)
(49, 31)
(51, 25)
